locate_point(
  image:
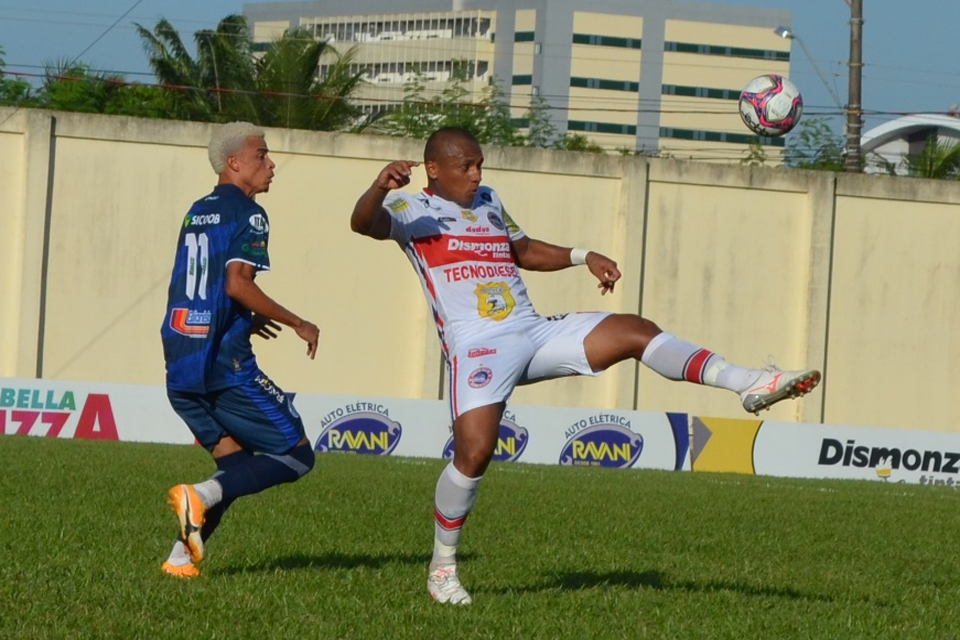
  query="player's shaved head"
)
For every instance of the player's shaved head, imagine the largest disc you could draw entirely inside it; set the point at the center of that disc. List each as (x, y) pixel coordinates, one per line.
(447, 141)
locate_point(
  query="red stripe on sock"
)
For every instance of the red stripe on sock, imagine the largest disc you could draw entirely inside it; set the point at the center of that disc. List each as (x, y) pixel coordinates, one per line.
(693, 372)
(447, 523)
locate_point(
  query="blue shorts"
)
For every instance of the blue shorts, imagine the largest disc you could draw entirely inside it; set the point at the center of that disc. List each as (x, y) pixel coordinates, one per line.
(257, 414)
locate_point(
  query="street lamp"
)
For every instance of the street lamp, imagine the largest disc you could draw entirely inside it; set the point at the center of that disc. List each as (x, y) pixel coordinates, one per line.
(790, 34)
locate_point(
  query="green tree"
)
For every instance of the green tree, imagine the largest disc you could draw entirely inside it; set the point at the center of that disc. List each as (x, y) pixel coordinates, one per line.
(487, 118)
(578, 142)
(755, 155)
(227, 81)
(13, 91)
(289, 92)
(73, 86)
(939, 160)
(216, 86)
(815, 147)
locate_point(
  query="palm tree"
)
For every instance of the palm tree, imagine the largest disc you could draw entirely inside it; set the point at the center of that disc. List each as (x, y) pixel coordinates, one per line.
(940, 160)
(212, 87)
(291, 94)
(227, 82)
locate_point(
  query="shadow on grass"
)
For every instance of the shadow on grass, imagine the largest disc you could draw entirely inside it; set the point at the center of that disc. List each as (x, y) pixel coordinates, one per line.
(582, 580)
(331, 561)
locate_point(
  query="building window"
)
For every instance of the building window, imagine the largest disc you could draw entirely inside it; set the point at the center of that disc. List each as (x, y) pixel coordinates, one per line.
(523, 36)
(700, 92)
(522, 80)
(606, 41)
(602, 127)
(730, 52)
(610, 85)
(719, 136)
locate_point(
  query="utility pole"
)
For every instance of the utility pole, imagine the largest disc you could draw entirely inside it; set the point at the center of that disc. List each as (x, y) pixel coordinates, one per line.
(854, 104)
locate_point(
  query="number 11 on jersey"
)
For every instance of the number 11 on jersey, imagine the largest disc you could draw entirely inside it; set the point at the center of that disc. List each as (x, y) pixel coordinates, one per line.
(198, 252)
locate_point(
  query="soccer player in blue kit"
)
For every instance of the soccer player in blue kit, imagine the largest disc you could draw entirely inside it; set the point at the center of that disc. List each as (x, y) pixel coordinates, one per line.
(237, 413)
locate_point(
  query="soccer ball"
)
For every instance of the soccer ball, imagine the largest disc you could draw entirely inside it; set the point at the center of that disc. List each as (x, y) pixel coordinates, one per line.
(770, 105)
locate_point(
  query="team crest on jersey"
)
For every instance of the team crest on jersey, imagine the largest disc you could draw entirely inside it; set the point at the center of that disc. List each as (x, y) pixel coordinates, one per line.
(190, 323)
(397, 205)
(512, 226)
(468, 215)
(495, 220)
(259, 223)
(480, 377)
(494, 300)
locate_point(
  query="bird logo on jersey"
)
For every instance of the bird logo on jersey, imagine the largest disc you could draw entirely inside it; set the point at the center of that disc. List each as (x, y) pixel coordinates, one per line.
(494, 300)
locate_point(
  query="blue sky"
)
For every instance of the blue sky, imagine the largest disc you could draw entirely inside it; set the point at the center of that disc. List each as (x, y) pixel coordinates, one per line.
(909, 45)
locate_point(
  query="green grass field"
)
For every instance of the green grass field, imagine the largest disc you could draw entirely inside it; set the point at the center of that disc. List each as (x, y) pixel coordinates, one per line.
(549, 552)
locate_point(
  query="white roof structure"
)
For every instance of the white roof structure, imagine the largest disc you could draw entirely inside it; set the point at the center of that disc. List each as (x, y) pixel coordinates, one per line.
(905, 136)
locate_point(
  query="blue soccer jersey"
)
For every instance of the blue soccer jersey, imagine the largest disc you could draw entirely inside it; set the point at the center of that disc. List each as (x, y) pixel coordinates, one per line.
(206, 335)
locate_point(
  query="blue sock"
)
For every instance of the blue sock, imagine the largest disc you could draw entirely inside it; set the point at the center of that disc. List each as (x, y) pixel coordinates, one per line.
(264, 471)
(214, 513)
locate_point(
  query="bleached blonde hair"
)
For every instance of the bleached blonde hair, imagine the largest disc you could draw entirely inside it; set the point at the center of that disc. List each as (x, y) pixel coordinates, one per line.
(227, 140)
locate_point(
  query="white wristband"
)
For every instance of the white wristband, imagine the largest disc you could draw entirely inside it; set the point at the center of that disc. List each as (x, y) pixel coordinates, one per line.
(578, 256)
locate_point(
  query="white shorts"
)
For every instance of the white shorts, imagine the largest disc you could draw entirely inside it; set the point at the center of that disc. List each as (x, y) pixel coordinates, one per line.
(486, 369)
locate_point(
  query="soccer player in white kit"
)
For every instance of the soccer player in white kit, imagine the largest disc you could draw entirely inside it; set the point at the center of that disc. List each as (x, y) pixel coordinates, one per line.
(468, 251)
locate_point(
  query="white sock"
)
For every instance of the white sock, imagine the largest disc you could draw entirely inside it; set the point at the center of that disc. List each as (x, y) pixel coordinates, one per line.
(677, 359)
(210, 492)
(179, 557)
(736, 378)
(455, 496)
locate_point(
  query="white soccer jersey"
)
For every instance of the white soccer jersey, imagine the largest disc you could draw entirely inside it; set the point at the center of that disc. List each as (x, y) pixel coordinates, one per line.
(464, 260)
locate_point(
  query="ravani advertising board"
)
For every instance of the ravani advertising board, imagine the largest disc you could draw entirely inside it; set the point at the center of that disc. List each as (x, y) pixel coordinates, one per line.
(512, 440)
(359, 427)
(621, 440)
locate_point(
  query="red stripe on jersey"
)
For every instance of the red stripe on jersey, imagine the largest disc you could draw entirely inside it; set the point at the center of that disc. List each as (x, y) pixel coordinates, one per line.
(438, 251)
(428, 281)
(693, 371)
(424, 271)
(448, 523)
(453, 386)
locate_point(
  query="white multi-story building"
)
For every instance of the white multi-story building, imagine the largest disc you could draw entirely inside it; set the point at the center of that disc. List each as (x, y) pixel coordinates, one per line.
(655, 76)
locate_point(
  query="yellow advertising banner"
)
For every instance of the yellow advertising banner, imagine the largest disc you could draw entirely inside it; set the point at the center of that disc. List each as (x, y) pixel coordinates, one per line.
(723, 444)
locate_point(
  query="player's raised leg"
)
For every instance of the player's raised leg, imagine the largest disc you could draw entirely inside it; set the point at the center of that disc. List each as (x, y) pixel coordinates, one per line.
(475, 439)
(623, 336)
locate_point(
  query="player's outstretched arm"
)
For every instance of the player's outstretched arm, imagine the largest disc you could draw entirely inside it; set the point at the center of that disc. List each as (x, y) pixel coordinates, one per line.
(536, 255)
(368, 217)
(242, 289)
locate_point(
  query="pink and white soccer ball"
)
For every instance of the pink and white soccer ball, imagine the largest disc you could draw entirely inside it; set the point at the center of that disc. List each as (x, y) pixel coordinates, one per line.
(771, 105)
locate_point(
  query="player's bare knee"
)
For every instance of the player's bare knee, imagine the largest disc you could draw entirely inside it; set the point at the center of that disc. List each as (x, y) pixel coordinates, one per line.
(641, 333)
(472, 463)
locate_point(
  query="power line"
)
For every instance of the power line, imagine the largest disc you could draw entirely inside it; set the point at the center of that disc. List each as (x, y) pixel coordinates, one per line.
(77, 57)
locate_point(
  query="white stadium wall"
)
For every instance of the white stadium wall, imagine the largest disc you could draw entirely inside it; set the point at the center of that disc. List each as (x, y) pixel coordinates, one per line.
(856, 275)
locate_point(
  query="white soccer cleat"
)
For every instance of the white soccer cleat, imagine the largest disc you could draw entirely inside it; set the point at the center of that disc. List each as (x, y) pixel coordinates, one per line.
(444, 586)
(774, 385)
